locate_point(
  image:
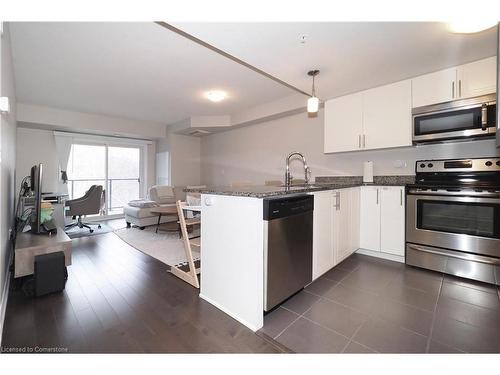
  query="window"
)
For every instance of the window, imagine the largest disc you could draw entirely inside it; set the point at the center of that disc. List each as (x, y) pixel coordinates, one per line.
(116, 168)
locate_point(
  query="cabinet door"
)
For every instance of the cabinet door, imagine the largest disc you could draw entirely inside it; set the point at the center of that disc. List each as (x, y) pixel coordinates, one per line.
(477, 78)
(370, 218)
(392, 231)
(387, 116)
(343, 123)
(354, 207)
(434, 88)
(342, 247)
(323, 258)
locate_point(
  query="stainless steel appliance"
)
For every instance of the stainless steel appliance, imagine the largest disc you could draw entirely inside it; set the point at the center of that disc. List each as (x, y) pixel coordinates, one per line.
(288, 235)
(463, 119)
(498, 82)
(453, 218)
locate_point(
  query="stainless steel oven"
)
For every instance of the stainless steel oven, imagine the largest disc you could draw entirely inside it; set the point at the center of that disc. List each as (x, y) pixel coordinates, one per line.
(463, 223)
(453, 218)
(460, 119)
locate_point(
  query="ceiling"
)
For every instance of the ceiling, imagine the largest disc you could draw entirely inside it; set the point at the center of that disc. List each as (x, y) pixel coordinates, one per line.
(352, 56)
(144, 71)
(131, 70)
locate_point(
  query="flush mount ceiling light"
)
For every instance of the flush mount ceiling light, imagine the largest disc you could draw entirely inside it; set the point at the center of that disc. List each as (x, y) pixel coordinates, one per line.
(215, 95)
(470, 26)
(313, 101)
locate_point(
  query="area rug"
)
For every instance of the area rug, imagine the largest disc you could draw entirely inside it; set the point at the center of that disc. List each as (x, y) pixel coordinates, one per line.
(76, 232)
(167, 247)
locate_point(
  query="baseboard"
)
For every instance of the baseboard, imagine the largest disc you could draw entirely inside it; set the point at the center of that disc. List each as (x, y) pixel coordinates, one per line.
(234, 316)
(5, 296)
(378, 254)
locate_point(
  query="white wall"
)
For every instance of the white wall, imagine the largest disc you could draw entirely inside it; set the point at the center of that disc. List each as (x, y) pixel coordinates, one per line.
(257, 153)
(185, 166)
(36, 146)
(7, 159)
(73, 121)
(43, 142)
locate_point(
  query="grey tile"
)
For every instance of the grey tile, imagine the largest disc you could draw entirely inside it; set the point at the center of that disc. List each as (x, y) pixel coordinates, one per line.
(276, 321)
(410, 296)
(354, 347)
(369, 279)
(483, 287)
(426, 281)
(469, 295)
(351, 263)
(337, 317)
(301, 302)
(386, 337)
(355, 298)
(337, 274)
(437, 347)
(465, 337)
(320, 286)
(304, 336)
(468, 313)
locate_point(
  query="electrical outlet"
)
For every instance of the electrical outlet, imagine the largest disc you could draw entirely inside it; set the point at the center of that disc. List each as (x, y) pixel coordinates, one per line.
(399, 164)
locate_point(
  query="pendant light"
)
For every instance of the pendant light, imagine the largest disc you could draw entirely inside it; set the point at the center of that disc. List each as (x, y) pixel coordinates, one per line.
(313, 101)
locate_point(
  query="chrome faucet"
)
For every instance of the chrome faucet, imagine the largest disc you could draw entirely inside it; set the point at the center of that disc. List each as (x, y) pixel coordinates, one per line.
(288, 176)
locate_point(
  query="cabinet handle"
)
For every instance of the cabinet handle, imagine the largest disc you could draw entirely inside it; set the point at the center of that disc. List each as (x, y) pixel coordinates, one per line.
(359, 140)
(337, 198)
(364, 140)
(459, 88)
(401, 197)
(453, 90)
(377, 196)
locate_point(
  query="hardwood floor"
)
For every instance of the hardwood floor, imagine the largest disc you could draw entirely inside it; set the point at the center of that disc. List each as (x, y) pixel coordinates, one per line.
(119, 300)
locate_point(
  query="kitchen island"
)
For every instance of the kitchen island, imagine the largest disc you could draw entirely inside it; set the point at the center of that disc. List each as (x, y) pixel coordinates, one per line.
(233, 240)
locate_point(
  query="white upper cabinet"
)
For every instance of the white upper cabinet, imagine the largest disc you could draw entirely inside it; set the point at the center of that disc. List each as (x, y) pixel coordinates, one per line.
(387, 116)
(392, 219)
(343, 123)
(434, 88)
(477, 78)
(370, 218)
(462, 82)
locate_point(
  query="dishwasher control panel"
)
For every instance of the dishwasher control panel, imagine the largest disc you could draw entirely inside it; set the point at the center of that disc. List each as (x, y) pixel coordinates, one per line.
(279, 207)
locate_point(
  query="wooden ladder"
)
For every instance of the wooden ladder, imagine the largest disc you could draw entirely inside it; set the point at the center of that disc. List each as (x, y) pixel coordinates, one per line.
(191, 275)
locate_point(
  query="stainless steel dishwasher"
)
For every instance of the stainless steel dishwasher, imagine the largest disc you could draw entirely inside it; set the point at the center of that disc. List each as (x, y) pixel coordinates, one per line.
(288, 237)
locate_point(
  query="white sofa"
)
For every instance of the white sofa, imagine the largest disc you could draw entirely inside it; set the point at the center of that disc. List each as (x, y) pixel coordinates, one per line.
(164, 196)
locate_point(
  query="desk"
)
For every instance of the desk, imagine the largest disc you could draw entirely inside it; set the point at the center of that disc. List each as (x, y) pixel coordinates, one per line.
(29, 245)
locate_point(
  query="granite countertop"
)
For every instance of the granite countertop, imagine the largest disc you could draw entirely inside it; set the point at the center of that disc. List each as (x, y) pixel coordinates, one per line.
(322, 183)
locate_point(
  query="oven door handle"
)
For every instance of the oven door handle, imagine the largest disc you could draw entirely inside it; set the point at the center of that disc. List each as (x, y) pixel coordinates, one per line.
(484, 117)
(454, 254)
(447, 198)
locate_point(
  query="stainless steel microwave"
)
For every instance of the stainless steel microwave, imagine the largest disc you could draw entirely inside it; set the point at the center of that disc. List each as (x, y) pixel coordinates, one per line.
(456, 120)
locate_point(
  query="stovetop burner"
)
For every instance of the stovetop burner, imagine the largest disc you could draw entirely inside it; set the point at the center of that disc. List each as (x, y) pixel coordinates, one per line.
(479, 176)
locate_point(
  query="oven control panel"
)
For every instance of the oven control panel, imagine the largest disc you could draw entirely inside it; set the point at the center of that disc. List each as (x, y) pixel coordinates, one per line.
(458, 165)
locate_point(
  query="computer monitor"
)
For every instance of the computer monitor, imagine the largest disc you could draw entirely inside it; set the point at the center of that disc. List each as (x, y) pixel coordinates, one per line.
(36, 188)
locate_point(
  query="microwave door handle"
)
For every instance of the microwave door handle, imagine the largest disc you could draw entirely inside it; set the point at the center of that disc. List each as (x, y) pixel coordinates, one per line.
(484, 117)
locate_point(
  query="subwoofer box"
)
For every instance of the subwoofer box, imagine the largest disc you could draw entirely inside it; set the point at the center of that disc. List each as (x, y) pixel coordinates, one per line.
(50, 273)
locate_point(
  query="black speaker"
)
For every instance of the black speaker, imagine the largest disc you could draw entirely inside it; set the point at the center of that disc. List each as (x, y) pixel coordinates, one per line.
(50, 273)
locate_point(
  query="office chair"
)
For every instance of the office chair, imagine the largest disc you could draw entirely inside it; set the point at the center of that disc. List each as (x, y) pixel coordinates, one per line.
(91, 203)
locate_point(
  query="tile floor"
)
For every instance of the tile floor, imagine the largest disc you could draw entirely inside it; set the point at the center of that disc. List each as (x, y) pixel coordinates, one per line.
(367, 305)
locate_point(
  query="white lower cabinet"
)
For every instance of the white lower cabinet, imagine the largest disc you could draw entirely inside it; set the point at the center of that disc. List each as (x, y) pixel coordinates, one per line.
(382, 217)
(324, 202)
(335, 226)
(392, 220)
(370, 218)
